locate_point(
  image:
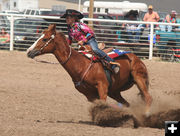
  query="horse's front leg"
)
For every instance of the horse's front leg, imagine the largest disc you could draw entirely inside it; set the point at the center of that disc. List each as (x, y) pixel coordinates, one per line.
(102, 90)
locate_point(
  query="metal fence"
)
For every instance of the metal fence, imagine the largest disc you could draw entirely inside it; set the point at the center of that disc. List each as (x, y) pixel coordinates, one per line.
(145, 39)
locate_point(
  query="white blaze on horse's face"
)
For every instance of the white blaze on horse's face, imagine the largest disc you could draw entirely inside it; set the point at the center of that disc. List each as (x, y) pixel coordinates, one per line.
(35, 43)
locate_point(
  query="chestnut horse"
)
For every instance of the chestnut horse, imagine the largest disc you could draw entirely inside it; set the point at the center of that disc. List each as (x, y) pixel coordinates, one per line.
(90, 76)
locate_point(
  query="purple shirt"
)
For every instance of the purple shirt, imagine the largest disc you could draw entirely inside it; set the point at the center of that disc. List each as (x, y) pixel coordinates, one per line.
(79, 32)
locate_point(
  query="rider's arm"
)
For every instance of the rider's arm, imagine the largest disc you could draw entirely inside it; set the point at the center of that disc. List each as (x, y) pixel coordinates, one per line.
(88, 33)
(88, 36)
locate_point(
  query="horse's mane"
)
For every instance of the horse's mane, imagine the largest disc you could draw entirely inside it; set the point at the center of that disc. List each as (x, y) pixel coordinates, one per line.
(62, 35)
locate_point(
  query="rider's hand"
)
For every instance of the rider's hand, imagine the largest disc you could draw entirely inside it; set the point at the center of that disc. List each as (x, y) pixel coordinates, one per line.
(80, 43)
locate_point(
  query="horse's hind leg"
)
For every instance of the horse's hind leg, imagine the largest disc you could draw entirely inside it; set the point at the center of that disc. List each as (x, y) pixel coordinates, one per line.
(141, 80)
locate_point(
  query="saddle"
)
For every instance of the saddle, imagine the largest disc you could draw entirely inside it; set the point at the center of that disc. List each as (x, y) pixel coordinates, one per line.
(101, 46)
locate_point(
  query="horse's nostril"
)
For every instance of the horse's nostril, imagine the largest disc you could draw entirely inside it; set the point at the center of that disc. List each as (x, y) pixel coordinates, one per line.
(33, 53)
(30, 54)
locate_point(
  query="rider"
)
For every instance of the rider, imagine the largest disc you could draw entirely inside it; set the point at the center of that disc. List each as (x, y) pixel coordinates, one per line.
(81, 33)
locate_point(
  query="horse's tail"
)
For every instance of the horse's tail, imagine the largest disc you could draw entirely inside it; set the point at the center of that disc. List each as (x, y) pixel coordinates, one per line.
(147, 78)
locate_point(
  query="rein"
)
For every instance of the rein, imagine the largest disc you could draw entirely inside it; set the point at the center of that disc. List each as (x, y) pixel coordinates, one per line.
(70, 52)
(78, 83)
(47, 62)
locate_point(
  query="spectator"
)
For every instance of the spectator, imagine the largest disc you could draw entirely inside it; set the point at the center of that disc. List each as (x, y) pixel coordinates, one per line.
(170, 18)
(4, 37)
(151, 16)
(132, 29)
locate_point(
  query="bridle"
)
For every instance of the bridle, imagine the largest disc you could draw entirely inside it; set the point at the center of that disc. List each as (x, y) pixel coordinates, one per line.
(46, 44)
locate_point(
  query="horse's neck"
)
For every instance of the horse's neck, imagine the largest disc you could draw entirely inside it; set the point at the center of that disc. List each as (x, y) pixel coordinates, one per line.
(75, 63)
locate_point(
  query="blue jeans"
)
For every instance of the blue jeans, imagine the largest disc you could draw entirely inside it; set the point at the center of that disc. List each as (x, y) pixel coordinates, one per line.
(94, 45)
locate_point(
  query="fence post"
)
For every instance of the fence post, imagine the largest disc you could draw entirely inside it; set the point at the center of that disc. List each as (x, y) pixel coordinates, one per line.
(11, 33)
(91, 11)
(151, 41)
(79, 6)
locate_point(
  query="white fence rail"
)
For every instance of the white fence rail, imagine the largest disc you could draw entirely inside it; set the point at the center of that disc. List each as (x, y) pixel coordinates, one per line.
(156, 40)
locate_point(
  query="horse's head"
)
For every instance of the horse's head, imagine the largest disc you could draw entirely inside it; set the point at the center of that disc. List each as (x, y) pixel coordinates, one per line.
(45, 44)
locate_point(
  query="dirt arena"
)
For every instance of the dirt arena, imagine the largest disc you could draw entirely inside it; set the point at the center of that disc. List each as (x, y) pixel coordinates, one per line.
(39, 99)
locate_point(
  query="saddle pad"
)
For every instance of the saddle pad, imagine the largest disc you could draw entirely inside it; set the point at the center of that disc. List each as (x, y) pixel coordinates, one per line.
(113, 54)
(116, 53)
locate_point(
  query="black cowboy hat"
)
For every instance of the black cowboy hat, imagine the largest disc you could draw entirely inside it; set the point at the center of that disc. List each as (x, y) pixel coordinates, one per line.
(131, 13)
(73, 12)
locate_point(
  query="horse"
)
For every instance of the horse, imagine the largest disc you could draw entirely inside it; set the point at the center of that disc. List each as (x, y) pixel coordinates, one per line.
(89, 78)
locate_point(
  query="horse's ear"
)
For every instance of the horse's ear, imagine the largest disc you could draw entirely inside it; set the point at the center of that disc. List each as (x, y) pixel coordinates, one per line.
(52, 27)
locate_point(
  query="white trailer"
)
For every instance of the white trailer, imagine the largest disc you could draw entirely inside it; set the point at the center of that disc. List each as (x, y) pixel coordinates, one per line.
(114, 7)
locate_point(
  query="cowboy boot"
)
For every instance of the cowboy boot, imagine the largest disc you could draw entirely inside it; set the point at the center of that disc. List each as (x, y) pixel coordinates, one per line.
(115, 67)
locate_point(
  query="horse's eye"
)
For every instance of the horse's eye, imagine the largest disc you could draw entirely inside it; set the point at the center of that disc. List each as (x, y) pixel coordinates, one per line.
(44, 40)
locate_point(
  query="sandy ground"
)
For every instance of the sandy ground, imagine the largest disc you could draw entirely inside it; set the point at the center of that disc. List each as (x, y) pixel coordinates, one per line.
(39, 99)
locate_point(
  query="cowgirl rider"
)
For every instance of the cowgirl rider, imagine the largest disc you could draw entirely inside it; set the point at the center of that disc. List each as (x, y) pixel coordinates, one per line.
(81, 33)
